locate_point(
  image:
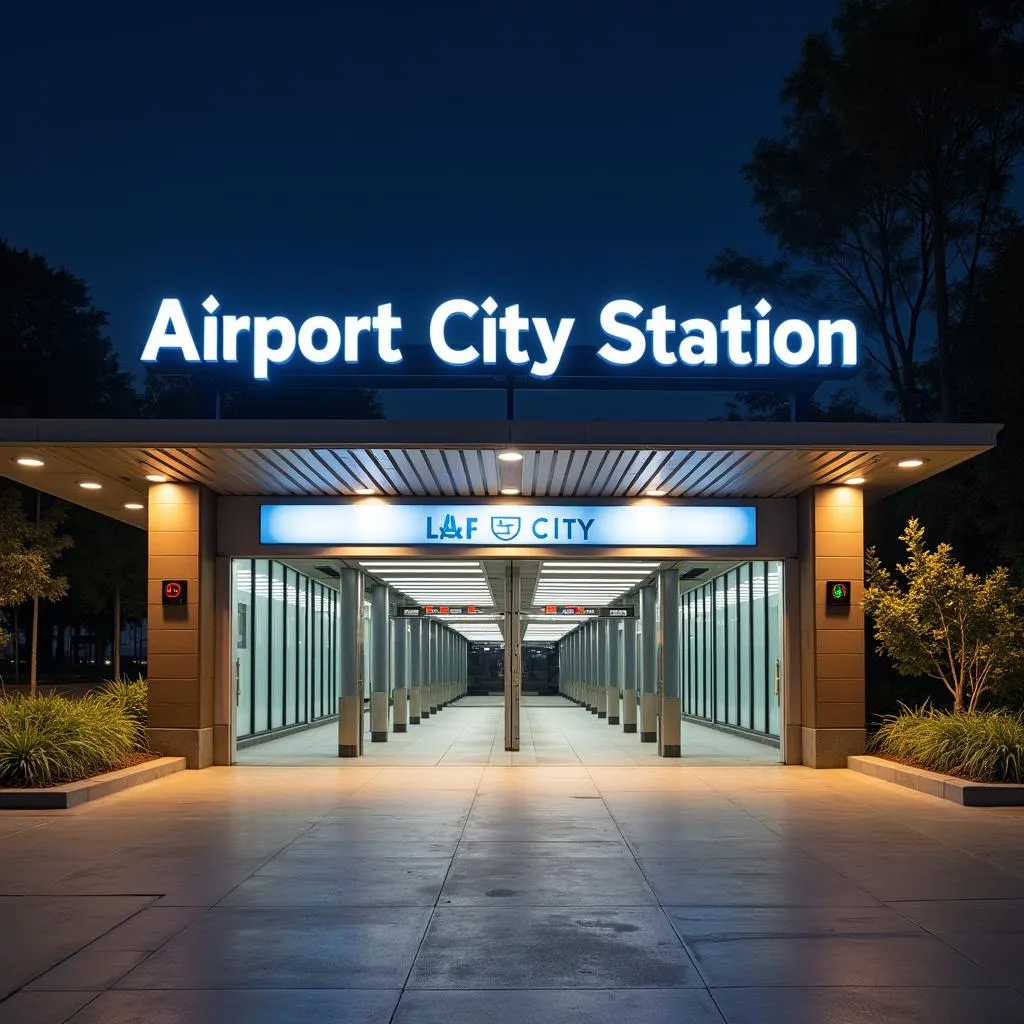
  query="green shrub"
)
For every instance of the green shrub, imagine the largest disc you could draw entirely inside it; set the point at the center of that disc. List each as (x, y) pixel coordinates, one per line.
(131, 696)
(47, 740)
(987, 746)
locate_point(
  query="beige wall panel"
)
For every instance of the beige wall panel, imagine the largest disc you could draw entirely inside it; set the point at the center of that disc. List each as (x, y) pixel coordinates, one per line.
(175, 518)
(829, 545)
(175, 567)
(173, 666)
(840, 641)
(841, 715)
(173, 716)
(170, 690)
(850, 567)
(174, 542)
(174, 494)
(173, 641)
(853, 618)
(841, 691)
(839, 519)
(840, 666)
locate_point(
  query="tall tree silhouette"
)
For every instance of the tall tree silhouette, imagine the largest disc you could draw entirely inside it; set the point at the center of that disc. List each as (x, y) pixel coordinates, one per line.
(888, 186)
(55, 358)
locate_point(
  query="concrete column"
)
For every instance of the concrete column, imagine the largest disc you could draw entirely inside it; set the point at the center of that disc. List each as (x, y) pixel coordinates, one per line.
(629, 675)
(400, 632)
(350, 668)
(426, 644)
(590, 657)
(380, 684)
(831, 545)
(435, 666)
(611, 631)
(182, 546)
(648, 664)
(668, 664)
(415, 660)
(601, 664)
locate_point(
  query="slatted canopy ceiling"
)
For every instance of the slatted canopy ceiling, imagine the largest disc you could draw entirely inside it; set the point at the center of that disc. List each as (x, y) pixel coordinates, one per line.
(460, 459)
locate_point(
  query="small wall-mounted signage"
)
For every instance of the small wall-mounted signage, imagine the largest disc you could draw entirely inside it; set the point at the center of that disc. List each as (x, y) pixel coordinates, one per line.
(576, 611)
(174, 592)
(837, 594)
(417, 611)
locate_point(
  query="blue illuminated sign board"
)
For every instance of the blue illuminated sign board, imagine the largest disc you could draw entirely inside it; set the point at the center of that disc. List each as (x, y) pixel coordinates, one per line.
(376, 523)
(465, 333)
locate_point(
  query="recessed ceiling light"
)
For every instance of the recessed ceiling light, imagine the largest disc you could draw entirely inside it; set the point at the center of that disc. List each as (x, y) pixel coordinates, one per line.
(854, 481)
(26, 461)
(90, 485)
(510, 490)
(133, 505)
(910, 463)
(364, 490)
(510, 456)
(655, 492)
(156, 478)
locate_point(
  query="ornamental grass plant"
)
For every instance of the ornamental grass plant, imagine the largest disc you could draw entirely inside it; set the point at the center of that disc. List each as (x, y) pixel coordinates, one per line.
(47, 740)
(986, 746)
(131, 696)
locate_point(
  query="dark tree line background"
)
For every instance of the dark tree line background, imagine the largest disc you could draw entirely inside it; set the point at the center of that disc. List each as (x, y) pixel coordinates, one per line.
(56, 360)
(890, 195)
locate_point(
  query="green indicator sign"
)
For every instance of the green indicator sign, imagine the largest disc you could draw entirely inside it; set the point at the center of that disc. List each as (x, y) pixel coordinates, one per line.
(837, 594)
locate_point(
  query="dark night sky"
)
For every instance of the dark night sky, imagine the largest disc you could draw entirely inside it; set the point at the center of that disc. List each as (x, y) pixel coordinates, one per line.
(557, 155)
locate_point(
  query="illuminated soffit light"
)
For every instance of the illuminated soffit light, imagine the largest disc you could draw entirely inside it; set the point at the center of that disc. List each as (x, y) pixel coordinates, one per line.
(27, 460)
(156, 478)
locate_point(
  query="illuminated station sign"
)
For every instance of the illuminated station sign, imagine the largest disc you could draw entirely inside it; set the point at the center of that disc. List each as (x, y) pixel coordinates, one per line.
(510, 524)
(463, 332)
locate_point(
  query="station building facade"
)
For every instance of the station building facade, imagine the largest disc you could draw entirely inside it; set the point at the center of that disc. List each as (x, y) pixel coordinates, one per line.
(290, 562)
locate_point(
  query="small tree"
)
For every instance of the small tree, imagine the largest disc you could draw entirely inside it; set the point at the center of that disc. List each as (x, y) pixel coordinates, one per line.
(27, 552)
(945, 622)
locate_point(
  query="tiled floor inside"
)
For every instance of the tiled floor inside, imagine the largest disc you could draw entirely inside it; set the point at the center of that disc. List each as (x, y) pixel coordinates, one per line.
(649, 894)
(552, 731)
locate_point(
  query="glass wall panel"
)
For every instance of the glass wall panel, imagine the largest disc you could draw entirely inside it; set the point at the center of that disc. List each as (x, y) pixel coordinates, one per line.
(261, 646)
(284, 647)
(774, 629)
(761, 676)
(305, 711)
(241, 654)
(731, 644)
(278, 650)
(743, 645)
(718, 671)
(289, 646)
(731, 661)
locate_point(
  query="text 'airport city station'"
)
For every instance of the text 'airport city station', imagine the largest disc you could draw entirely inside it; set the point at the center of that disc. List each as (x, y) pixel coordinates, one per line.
(359, 577)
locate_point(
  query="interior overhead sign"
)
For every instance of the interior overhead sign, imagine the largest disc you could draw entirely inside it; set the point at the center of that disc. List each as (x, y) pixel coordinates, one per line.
(465, 332)
(617, 525)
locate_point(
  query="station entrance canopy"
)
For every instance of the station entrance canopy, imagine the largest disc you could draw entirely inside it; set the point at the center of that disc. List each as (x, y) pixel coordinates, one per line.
(460, 461)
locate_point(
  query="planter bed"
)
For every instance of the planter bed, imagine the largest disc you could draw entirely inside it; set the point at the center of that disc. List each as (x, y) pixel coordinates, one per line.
(945, 787)
(73, 794)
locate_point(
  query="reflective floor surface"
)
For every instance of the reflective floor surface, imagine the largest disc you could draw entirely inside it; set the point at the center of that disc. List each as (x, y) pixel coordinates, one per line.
(464, 894)
(552, 731)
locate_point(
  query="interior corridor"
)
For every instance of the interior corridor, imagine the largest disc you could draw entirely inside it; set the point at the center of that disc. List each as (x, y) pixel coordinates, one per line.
(553, 731)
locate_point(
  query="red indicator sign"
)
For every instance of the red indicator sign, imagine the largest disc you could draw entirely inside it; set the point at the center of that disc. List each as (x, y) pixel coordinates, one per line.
(174, 592)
